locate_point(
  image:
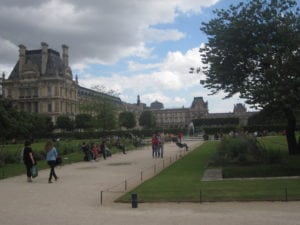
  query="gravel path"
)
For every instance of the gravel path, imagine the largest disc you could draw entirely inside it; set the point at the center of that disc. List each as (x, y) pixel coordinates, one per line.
(75, 197)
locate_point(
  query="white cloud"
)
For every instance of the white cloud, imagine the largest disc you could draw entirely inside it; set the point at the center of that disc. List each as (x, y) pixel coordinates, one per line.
(8, 51)
(171, 75)
(95, 30)
(157, 35)
(134, 66)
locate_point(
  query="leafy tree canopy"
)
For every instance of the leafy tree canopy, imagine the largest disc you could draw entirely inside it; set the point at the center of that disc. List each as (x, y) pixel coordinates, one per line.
(253, 50)
(127, 119)
(83, 121)
(147, 119)
(64, 122)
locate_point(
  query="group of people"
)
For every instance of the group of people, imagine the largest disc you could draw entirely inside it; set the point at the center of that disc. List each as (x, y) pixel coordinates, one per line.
(92, 151)
(157, 142)
(30, 161)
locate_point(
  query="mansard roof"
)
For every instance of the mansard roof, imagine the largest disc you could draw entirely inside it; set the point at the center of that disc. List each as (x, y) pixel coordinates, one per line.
(54, 66)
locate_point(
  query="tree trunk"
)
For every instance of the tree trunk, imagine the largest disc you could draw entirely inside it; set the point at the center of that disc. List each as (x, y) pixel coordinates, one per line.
(290, 131)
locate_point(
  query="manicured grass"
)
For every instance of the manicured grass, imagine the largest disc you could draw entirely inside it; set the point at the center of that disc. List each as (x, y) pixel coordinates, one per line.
(182, 182)
(290, 165)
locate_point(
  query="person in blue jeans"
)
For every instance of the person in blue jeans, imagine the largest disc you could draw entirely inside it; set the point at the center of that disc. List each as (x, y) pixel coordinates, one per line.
(51, 159)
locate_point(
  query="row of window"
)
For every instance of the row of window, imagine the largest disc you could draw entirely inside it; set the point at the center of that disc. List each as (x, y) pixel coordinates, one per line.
(58, 92)
(29, 107)
(175, 115)
(169, 120)
(64, 107)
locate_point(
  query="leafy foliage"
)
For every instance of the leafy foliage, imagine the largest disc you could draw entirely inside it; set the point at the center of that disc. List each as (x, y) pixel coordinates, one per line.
(270, 116)
(147, 119)
(127, 119)
(104, 113)
(244, 150)
(253, 50)
(64, 122)
(14, 124)
(83, 121)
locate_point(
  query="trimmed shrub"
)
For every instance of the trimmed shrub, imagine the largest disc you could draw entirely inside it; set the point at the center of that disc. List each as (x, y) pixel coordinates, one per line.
(244, 150)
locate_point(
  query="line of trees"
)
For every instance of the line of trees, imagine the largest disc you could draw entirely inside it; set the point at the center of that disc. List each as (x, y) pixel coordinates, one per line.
(106, 117)
(15, 124)
(106, 121)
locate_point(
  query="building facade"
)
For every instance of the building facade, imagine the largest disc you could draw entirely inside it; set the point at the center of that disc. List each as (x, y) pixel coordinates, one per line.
(42, 82)
(182, 117)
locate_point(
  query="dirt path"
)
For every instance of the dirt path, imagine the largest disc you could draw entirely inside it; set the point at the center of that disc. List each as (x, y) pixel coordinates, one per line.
(75, 197)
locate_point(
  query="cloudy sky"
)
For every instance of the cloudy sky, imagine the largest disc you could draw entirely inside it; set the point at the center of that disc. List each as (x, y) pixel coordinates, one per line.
(134, 47)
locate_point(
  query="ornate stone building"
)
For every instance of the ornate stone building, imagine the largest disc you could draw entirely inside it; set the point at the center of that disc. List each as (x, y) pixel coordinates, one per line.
(42, 82)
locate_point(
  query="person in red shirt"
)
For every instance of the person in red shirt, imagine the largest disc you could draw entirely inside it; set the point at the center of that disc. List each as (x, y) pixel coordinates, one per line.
(154, 142)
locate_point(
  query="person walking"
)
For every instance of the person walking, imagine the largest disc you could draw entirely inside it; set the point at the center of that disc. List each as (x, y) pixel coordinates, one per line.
(154, 144)
(103, 149)
(28, 159)
(51, 159)
(161, 142)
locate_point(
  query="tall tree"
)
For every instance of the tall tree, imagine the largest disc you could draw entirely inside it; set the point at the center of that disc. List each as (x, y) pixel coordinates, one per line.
(253, 50)
(64, 122)
(147, 119)
(127, 119)
(103, 109)
(83, 121)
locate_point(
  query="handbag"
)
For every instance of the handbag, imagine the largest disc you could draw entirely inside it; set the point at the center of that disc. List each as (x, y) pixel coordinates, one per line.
(58, 160)
(34, 171)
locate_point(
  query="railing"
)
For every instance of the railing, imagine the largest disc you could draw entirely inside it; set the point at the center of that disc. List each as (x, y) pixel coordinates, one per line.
(109, 194)
(221, 195)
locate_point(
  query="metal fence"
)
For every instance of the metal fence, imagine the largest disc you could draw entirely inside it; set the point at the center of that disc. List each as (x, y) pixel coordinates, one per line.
(109, 194)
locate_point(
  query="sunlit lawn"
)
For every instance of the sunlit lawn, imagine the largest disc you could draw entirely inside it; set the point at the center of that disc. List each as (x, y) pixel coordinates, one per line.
(182, 182)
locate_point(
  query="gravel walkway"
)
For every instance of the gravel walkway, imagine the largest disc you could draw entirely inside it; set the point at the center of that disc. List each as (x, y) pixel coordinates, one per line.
(75, 198)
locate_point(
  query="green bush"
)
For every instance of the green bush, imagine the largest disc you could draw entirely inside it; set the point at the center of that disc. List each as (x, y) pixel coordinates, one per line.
(244, 150)
(8, 157)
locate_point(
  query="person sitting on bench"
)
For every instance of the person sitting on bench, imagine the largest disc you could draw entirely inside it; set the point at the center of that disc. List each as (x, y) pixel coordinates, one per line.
(120, 146)
(182, 145)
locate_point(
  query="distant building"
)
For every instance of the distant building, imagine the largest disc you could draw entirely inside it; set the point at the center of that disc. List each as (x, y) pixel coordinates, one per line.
(156, 105)
(182, 117)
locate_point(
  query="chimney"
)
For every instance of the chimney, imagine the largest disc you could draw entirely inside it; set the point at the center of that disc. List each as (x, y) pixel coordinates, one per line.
(44, 57)
(65, 55)
(22, 57)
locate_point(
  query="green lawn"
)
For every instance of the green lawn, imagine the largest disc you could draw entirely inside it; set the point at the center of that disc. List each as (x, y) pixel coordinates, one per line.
(182, 182)
(290, 165)
(69, 150)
